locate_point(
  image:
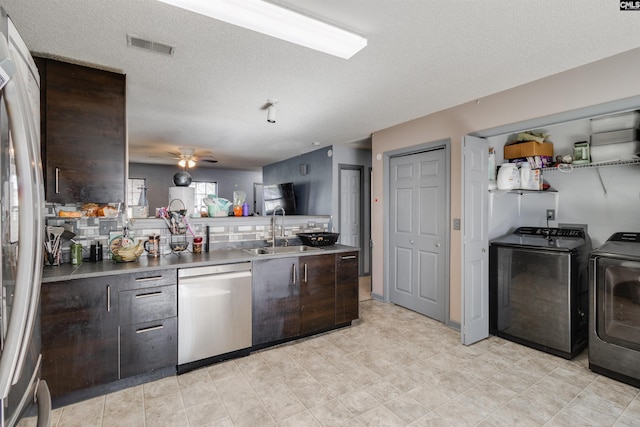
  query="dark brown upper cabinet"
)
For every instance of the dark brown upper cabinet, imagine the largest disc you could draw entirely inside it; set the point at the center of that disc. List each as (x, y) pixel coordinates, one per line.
(83, 128)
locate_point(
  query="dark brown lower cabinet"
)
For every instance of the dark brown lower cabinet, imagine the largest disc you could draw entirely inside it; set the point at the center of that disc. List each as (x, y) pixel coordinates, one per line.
(317, 293)
(97, 331)
(79, 334)
(276, 302)
(148, 306)
(148, 346)
(297, 296)
(346, 287)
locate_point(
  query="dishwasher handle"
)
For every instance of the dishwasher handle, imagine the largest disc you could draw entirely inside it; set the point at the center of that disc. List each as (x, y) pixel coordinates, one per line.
(214, 269)
(211, 278)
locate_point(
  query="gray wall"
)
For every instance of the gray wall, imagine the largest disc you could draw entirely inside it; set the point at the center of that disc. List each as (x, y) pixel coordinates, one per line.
(313, 190)
(318, 192)
(346, 156)
(160, 178)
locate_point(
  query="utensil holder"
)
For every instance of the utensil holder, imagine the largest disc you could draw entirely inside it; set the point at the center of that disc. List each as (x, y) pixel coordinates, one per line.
(178, 243)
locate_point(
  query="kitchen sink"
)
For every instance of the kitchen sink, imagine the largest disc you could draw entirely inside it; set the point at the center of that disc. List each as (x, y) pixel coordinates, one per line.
(282, 250)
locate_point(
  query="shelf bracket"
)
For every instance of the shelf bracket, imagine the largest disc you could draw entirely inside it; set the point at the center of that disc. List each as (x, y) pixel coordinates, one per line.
(604, 188)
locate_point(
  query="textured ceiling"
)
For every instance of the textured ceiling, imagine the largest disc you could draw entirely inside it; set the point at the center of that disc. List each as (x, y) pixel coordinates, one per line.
(422, 56)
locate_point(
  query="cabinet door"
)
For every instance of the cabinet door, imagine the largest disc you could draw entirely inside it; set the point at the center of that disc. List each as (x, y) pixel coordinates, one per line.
(79, 334)
(346, 287)
(84, 139)
(276, 313)
(147, 346)
(317, 293)
(145, 305)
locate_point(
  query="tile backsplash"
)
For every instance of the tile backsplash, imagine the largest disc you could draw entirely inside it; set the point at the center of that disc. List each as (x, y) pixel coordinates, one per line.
(224, 232)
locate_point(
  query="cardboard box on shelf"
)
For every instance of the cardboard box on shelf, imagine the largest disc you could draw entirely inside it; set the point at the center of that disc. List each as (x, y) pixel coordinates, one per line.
(528, 149)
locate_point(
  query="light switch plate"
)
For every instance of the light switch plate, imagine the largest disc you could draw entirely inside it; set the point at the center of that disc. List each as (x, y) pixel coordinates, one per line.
(456, 223)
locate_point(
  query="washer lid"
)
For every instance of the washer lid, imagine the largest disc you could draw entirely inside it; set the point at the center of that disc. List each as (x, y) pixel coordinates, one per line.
(621, 244)
(557, 239)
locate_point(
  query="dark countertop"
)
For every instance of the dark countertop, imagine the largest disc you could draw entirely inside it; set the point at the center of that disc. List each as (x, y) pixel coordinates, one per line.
(185, 260)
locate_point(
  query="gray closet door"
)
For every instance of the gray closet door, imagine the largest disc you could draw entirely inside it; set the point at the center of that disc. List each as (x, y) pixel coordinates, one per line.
(417, 232)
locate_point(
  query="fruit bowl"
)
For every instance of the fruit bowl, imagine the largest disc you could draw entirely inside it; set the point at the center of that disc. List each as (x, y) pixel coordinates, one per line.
(127, 253)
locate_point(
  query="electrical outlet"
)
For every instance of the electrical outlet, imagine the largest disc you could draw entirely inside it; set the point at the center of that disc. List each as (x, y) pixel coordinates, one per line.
(551, 214)
(107, 225)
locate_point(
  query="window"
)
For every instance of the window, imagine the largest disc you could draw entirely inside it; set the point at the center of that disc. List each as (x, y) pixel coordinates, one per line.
(134, 187)
(203, 189)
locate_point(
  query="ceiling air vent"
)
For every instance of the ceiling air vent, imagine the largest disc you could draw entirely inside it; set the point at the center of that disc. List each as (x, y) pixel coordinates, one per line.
(165, 49)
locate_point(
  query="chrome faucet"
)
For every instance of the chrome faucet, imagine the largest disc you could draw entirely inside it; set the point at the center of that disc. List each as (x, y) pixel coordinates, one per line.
(273, 224)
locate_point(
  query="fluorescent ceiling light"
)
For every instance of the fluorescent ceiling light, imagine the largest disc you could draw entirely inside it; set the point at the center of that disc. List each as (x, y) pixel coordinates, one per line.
(275, 21)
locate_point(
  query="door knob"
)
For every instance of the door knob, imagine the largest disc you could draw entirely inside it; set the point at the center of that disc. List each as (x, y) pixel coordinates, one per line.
(411, 241)
(437, 245)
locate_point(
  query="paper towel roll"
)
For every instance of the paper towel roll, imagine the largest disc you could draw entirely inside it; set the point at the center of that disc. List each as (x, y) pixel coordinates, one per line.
(186, 195)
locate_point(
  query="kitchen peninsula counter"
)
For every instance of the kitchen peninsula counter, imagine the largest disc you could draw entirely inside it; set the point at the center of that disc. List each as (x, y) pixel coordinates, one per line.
(184, 260)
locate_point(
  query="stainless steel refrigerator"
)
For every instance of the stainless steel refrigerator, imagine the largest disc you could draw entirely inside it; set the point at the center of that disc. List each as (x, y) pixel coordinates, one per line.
(21, 233)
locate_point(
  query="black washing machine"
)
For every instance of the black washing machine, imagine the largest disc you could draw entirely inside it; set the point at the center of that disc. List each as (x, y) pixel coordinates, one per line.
(614, 302)
(539, 287)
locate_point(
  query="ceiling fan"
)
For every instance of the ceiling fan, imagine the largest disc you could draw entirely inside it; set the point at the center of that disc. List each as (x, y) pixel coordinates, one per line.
(187, 157)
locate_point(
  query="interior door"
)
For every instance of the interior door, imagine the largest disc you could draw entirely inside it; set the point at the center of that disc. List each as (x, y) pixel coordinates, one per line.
(350, 207)
(475, 262)
(417, 232)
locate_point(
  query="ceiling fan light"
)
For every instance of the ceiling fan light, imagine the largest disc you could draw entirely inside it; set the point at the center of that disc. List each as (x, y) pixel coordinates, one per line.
(182, 163)
(191, 163)
(278, 22)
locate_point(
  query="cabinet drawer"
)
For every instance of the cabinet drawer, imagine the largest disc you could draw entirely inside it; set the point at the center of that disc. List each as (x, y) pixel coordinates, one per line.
(147, 279)
(145, 305)
(147, 346)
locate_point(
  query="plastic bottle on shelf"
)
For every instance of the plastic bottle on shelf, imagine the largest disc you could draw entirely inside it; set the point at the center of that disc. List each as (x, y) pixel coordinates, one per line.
(508, 177)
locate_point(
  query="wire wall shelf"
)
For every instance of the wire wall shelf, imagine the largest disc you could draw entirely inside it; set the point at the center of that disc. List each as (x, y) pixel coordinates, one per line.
(569, 167)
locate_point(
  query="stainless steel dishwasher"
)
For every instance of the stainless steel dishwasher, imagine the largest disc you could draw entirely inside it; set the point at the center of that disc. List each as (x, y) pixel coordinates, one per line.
(214, 313)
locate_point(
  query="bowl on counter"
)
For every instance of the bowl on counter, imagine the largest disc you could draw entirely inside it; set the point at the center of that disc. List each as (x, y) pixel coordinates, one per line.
(319, 239)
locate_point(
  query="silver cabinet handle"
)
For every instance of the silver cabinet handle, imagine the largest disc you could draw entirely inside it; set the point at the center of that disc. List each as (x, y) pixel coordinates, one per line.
(293, 274)
(437, 245)
(305, 272)
(148, 279)
(149, 329)
(57, 181)
(348, 257)
(108, 298)
(411, 241)
(150, 294)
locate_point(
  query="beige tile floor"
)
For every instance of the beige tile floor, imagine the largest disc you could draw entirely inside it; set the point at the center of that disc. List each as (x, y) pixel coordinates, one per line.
(393, 367)
(364, 288)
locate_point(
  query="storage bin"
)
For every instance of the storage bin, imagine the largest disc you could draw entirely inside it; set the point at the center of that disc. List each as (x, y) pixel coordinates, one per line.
(613, 122)
(616, 145)
(528, 149)
(623, 151)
